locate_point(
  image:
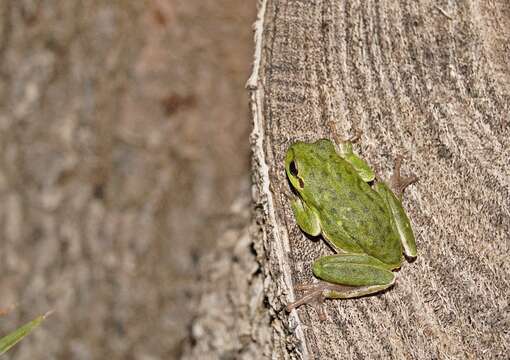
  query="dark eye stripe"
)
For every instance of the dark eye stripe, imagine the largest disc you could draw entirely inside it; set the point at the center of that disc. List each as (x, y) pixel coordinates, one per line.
(293, 168)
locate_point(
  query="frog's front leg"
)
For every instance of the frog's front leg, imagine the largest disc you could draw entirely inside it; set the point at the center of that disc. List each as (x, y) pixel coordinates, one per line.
(360, 166)
(345, 276)
(306, 218)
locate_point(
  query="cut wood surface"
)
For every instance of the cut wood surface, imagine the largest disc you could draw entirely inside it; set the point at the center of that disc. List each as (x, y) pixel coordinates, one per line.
(428, 80)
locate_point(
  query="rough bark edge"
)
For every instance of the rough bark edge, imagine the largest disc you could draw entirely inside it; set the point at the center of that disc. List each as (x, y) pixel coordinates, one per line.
(231, 321)
(240, 311)
(276, 282)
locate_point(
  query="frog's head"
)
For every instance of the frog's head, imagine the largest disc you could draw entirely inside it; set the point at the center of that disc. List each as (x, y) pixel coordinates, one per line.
(304, 161)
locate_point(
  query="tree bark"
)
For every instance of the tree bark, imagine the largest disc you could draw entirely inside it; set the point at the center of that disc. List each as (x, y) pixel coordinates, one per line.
(115, 167)
(427, 80)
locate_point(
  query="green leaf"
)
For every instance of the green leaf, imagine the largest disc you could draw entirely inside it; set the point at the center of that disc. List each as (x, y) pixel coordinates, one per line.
(13, 338)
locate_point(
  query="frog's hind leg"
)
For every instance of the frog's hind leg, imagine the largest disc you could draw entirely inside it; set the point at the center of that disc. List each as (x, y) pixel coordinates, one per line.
(345, 276)
(318, 292)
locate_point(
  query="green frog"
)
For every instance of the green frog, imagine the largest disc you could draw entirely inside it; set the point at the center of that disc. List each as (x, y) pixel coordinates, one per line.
(362, 219)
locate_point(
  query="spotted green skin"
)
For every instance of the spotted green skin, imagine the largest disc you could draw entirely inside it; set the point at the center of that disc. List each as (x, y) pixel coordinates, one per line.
(366, 225)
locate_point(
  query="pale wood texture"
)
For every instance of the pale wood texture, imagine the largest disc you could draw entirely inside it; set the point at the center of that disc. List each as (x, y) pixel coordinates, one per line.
(429, 80)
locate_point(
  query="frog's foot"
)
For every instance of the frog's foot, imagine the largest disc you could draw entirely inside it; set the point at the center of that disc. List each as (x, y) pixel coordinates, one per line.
(338, 140)
(314, 296)
(316, 293)
(399, 183)
(355, 138)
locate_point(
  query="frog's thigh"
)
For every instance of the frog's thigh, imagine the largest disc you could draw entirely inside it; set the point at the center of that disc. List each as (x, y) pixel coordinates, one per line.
(401, 221)
(306, 218)
(355, 275)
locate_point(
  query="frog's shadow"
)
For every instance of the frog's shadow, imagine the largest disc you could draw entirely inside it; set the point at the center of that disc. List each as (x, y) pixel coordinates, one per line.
(317, 239)
(291, 187)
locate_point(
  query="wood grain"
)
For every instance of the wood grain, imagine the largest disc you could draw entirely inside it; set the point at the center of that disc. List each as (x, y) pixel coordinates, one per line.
(429, 80)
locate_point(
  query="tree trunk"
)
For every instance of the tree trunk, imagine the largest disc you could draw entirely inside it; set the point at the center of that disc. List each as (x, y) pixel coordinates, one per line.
(115, 167)
(428, 82)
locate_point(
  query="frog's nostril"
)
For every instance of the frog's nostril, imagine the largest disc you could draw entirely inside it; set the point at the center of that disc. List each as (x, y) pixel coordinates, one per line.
(293, 168)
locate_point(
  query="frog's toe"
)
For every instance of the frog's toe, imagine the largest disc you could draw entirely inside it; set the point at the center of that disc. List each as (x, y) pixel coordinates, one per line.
(397, 181)
(356, 137)
(314, 296)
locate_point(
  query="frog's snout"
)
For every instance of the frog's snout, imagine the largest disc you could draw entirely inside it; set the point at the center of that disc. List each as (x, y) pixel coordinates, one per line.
(290, 165)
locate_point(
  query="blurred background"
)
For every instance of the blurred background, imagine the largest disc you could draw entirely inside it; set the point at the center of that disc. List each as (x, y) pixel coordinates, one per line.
(123, 140)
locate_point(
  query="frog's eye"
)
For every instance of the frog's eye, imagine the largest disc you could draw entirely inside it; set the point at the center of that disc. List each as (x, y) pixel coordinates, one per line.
(293, 168)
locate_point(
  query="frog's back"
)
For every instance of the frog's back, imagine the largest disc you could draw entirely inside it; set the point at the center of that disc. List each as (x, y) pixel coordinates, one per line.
(355, 219)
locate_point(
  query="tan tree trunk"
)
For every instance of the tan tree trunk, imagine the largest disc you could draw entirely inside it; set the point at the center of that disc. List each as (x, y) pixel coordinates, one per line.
(115, 167)
(428, 82)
